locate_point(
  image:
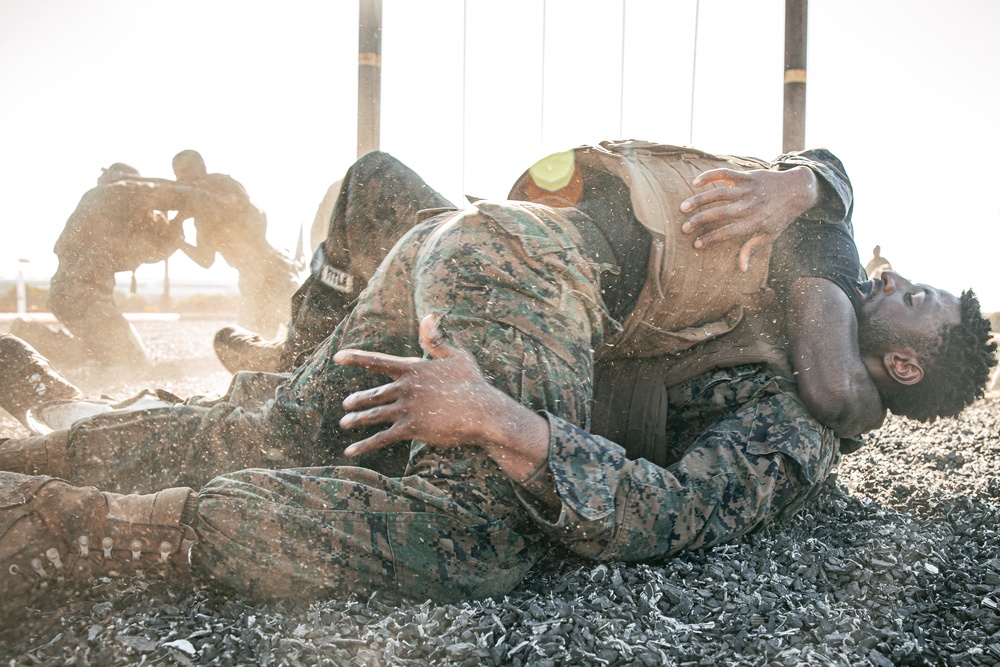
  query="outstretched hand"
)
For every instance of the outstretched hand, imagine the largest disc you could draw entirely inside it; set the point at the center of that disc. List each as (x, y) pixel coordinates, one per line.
(444, 401)
(752, 206)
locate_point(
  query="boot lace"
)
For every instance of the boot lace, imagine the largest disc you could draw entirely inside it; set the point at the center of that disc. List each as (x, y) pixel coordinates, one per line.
(83, 563)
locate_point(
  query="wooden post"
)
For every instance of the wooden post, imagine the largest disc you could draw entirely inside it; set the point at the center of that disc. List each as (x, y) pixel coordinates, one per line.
(794, 127)
(369, 75)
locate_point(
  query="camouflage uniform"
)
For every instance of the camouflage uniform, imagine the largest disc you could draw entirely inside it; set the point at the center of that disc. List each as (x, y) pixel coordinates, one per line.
(236, 229)
(113, 229)
(186, 445)
(747, 452)
(515, 290)
(454, 527)
(378, 202)
(519, 292)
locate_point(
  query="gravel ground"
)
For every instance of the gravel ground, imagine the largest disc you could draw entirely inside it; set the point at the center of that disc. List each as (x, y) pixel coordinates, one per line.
(898, 563)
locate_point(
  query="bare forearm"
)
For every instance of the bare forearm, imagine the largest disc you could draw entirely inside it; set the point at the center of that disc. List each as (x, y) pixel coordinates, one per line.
(849, 409)
(517, 440)
(520, 446)
(805, 189)
(832, 379)
(445, 401)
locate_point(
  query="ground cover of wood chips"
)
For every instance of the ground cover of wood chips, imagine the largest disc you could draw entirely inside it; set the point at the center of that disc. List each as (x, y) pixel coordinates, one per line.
(897, 563)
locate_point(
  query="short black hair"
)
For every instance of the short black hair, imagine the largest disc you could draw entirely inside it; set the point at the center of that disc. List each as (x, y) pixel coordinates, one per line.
(956, 368)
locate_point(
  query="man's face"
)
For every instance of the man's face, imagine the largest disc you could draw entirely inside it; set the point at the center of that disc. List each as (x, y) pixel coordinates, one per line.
(897, 313)
(186, 170)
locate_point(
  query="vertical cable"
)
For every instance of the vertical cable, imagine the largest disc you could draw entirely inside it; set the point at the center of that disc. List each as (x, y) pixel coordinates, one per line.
(541, 125)
(465, 47)
(621, 85)
(694, 64)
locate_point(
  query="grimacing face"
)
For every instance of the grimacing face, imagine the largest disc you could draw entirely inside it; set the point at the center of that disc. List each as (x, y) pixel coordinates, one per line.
(896, 312)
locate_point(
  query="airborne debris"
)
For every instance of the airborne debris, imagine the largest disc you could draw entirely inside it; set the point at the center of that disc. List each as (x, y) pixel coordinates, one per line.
(898, 562)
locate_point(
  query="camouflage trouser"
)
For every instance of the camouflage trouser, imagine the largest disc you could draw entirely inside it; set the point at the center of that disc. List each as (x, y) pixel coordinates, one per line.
(748, 427)
(183, 445)
(516, 292)
(742, 450)
(378, 202)
(85, 304)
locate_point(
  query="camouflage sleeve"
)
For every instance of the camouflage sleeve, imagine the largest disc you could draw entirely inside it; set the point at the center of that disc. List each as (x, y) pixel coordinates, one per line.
(837, 199)
(766, 461)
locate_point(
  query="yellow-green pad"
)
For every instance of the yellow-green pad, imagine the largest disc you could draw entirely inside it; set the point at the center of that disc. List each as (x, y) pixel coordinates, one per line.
(553, 172)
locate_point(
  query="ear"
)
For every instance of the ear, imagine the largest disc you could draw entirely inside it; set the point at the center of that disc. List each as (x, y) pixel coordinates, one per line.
(903, 367)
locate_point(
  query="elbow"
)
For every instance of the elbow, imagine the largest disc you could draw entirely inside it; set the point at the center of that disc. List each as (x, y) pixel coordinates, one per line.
(845, 412)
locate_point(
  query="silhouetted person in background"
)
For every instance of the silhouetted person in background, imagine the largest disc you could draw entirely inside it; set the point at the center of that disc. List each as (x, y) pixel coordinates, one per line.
(877, 264)
(375, 203)
(236, 229)
(117, 226)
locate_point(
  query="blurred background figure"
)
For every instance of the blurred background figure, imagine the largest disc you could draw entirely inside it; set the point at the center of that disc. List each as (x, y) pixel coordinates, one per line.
(362, 216)
(236, 229)
(321, 223)
(877, 264)
(117, 226)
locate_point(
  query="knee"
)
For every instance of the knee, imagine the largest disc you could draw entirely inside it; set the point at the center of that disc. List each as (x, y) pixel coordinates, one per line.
(368, 165)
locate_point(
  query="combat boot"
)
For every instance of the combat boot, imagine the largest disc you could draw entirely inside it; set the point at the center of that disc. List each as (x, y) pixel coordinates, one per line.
(58, 537)
(27, 380)
(242, 350)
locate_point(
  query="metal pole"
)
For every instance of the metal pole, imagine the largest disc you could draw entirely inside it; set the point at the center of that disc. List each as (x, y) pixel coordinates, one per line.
(369, 75)
(794, 128)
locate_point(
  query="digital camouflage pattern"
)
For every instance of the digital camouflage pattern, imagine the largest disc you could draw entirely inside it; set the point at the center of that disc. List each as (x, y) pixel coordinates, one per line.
(454, 527)
(379, 200)
(516, 291)
(182, 445)
(314, 533)
(748, 452)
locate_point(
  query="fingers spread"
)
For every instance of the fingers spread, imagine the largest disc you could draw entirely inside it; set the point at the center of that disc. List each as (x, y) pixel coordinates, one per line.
(377, 441)
(731, 231)
(368, 398)
(713, 215)
(386, 364)
(705, 199)
(380, 414)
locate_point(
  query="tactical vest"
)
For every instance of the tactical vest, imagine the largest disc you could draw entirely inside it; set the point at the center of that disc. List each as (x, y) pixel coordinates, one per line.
(696, 310)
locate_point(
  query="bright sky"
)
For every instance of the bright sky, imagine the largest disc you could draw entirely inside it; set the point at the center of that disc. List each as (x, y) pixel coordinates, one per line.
(904, 91)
